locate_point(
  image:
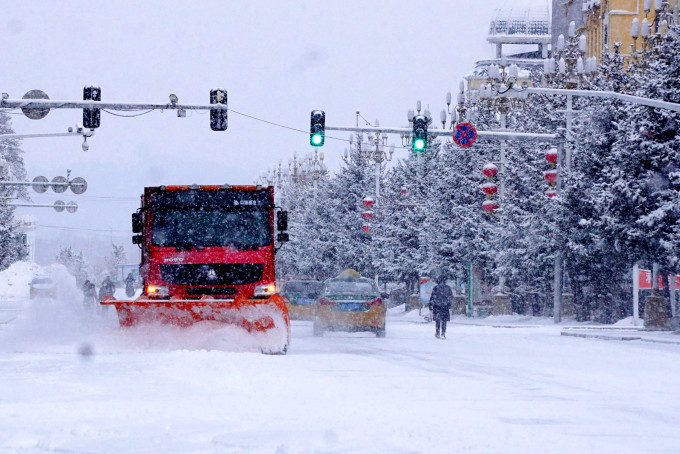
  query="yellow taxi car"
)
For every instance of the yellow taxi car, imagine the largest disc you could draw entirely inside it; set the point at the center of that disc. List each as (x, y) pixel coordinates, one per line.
(349, 304)
(301, 294)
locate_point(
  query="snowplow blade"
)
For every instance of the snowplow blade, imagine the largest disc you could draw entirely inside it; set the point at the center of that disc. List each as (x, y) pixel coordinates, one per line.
(253, 315)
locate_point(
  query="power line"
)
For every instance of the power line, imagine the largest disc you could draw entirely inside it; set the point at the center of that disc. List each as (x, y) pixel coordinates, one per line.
(57, 227)
(299, 130)
(128, 116)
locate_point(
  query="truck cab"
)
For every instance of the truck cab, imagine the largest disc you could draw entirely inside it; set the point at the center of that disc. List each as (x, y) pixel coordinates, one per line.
(216, 241)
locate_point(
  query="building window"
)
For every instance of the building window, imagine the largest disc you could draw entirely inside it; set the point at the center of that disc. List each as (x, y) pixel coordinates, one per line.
(605, 35)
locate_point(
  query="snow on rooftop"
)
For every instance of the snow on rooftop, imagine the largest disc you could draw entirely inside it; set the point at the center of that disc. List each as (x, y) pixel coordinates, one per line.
(590, 4)
(517, 18)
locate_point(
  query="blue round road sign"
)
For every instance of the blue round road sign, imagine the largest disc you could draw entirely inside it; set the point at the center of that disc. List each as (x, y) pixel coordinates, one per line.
(464, 135)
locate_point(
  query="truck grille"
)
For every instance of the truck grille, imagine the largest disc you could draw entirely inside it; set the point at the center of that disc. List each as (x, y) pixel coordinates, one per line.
(212, 273)
(213, 291)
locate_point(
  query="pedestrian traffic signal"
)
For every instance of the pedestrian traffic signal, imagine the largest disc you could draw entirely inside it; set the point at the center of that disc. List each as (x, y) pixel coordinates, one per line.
(419, 142)
(92, 117)
(317, 129)
(218, 117)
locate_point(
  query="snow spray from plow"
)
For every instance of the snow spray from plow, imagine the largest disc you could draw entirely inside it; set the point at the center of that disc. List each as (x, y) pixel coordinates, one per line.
(268, 316)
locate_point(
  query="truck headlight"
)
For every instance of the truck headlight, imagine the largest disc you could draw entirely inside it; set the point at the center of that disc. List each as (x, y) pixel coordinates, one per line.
(157, 290)
(265, 290)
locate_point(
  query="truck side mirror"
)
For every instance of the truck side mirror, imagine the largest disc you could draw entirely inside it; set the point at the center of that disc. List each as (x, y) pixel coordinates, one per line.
(137, 239)
(282, 221)
(283, 237)
(136, 223)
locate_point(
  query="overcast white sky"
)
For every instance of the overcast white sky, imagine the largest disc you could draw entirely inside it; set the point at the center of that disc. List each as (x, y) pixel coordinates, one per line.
(278, 61)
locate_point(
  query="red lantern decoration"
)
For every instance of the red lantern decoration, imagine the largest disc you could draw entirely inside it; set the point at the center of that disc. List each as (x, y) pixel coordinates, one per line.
(551, 156)
(368, 202)
(489, 206)
(367, 215)
(366, 228)
(551, 176)
(490, 170)
(489, 189)
(550, 193)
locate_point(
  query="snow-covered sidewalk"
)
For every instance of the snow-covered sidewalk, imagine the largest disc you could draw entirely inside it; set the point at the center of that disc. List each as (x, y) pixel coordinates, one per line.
(623, 330)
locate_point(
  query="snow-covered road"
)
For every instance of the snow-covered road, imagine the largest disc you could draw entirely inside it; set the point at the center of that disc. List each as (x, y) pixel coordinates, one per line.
(483, 390)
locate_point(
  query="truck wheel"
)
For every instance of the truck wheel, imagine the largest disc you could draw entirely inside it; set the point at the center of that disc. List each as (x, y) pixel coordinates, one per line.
(380, 333)
(318, 330)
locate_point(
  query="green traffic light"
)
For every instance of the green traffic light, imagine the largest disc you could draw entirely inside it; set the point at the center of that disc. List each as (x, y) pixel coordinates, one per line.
(419, 144)
(317, 140)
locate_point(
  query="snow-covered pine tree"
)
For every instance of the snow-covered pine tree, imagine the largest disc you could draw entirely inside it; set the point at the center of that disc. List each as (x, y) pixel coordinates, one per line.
(115, 260)
(528, 237)
(74, 263)
(457, 230)
(399, 226)
(594, 261)
(643, 173)
(340, 221)
(11, 168)
(309, 253)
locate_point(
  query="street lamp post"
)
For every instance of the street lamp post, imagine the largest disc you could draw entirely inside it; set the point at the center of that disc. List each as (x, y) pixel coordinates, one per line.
(377, 154)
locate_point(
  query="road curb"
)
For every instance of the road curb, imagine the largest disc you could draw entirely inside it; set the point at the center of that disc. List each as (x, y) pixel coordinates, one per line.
(619, 337)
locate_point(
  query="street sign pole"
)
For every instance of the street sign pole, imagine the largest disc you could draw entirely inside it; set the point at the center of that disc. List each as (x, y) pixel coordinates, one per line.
(636, 294)
(469, 308)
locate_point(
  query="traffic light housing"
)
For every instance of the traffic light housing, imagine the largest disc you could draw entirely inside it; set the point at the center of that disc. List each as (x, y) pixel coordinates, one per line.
(419, 142)
(92, 117)
(317, 128)
(218, 117)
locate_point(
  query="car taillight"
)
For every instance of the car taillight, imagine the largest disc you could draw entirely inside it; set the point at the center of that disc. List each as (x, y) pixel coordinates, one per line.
(375, 302)
(326, 302)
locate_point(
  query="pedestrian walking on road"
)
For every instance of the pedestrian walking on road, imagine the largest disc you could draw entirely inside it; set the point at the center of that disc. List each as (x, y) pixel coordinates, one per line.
(107, 288)
(440, 305)
(89, 294)
(130, 285)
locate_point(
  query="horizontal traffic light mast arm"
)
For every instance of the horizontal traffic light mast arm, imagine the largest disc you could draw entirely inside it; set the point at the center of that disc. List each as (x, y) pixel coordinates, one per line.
(50, 104)
(33, 205)
(83, 132)
(31, 183)
(481, 135)
(606, 95)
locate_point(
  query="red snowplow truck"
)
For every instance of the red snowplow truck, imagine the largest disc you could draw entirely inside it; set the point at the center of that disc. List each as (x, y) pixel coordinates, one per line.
(208, 255)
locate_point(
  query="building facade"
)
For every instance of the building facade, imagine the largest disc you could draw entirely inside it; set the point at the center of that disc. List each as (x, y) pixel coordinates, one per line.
(609, 22)
(565, 12)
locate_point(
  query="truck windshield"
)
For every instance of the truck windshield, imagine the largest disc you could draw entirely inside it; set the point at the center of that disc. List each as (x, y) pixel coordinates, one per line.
(240, 228)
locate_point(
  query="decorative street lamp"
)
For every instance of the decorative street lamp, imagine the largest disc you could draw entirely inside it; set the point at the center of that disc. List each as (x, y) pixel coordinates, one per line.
(652, 32)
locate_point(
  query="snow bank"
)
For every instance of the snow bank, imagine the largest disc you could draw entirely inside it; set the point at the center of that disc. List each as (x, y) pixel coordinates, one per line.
(15, 279)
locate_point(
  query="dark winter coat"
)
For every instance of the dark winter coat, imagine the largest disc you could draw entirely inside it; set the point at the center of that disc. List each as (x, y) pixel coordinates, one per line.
(129, 285)
(441, 302)
(107, 289)
(89, 292)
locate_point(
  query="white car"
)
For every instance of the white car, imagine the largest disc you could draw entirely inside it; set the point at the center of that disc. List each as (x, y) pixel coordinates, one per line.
(42, 287)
